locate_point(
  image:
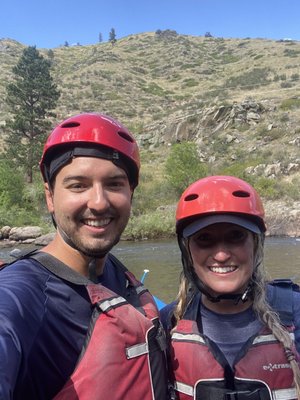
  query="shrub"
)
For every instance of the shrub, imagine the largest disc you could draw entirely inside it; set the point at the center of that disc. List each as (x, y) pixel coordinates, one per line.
(159, 223)
(250, 79)
(289, 104)
(183, 166)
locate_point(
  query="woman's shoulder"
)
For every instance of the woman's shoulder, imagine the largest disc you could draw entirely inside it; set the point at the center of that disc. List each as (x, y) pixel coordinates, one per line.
(166, 314)
(284, 296)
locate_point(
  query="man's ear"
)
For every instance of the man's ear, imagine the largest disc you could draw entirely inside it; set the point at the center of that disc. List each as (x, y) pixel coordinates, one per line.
(49, 198)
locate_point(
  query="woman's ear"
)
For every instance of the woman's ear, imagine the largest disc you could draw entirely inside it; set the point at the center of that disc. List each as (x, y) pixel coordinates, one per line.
(49, 198)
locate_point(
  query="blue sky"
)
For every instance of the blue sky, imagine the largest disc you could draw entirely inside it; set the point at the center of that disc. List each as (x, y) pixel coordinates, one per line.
(49, 24)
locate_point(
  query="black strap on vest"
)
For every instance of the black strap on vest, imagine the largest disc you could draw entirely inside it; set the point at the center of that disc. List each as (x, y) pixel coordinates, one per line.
(59, 269)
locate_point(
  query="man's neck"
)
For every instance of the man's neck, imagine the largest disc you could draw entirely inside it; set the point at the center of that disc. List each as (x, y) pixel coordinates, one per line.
(74, 259)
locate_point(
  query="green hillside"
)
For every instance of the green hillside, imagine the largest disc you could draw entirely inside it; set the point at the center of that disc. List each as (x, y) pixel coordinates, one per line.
(237, 99)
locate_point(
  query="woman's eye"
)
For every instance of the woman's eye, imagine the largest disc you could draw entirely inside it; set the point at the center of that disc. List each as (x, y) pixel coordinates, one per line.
(204, 239)
(237, 236)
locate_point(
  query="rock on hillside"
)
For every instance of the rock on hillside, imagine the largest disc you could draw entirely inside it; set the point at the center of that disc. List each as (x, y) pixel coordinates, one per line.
(283, 219)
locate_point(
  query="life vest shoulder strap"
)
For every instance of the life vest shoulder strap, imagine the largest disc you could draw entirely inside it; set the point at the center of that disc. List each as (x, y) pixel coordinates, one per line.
(280, 297)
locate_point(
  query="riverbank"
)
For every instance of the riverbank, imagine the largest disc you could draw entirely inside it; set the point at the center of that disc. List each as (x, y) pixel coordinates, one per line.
(282, 218)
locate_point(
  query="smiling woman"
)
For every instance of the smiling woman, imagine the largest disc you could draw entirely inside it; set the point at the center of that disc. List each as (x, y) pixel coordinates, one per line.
(224, 327)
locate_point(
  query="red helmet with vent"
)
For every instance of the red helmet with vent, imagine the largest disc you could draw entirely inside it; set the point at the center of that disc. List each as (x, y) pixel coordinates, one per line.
(93, 130)
(222, 199)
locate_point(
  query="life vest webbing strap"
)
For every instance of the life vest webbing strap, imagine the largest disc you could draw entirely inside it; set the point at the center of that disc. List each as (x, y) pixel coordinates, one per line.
(184, 388)
(106, 305)
(140, 289)
(284, 394)
(269, 338)
(193, 337)
(137, 350)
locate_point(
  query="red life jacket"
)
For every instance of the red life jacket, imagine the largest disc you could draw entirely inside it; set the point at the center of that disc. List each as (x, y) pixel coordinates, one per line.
(123, 357)
(262, 372)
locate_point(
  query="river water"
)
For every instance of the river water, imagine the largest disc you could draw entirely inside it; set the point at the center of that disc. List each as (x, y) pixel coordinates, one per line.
(162, 259)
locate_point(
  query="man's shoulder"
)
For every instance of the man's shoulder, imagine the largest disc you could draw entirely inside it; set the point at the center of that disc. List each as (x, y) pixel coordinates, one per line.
(25, 273)
(18, 267)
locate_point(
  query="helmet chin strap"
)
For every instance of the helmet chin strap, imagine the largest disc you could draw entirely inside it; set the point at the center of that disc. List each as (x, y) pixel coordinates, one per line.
(193, 277)
(237, 297)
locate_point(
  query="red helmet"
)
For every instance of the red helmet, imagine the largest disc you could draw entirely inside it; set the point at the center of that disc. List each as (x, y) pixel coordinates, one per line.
(225, 198)
(100, 130)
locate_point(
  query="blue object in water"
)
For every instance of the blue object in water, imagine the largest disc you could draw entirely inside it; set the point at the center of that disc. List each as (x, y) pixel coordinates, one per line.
(160, 304)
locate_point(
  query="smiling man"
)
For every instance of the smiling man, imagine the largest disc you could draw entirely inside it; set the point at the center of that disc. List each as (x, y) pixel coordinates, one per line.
(75, 323)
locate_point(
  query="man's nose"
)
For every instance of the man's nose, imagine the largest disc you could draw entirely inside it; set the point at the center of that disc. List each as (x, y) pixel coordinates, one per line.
(97, 198)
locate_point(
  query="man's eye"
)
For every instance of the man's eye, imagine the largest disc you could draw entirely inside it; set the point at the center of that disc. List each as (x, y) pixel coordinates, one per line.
(116, 184)
(76, 186)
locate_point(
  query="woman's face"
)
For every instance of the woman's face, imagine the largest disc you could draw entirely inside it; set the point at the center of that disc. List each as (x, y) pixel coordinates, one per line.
(223, 257)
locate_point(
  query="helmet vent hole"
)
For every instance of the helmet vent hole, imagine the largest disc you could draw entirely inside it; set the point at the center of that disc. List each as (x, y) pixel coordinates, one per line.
(240, 193)
(125, 136)
(191, 197)
(70, 124)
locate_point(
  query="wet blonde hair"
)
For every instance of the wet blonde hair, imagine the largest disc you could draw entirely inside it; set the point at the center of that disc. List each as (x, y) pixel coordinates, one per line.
(260, 305)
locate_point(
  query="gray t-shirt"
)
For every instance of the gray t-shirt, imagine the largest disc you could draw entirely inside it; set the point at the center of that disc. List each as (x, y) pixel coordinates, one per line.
(229, 331)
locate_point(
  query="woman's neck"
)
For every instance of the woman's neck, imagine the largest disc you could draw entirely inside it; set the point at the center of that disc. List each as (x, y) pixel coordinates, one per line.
(226, 306)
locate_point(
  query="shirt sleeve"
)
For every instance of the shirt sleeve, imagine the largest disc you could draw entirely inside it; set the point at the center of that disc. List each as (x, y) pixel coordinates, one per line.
(21, 311)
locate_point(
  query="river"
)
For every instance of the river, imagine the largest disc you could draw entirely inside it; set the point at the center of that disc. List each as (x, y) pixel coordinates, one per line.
(162, 258)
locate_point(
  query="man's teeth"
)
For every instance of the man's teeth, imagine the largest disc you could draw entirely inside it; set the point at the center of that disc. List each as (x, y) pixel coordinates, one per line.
(97, 223)
(222, 270)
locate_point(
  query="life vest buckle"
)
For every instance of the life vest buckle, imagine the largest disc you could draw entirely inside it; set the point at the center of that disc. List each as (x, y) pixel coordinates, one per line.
(243, 395)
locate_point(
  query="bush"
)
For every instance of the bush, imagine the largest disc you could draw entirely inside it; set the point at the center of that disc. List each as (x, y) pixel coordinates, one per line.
(267, 188)
(289, 104)
(159, 223)
(183, 166)
(250, 79)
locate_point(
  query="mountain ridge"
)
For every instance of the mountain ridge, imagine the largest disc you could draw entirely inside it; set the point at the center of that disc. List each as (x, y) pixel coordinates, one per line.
(237, 99)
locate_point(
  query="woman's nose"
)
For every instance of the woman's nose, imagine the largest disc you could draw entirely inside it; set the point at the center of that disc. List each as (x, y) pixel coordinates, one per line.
(221, 253)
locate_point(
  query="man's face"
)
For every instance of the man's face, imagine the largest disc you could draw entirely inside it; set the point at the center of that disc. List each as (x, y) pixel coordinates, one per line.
(91, 202)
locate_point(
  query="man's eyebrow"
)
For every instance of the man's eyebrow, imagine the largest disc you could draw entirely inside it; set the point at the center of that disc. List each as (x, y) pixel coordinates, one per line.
(69, 178)
(115, 176)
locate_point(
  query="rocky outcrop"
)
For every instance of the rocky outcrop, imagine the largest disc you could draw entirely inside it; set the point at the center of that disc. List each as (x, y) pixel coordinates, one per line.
(24, 235)
(273, 170)
(283, 219)
(205, 121)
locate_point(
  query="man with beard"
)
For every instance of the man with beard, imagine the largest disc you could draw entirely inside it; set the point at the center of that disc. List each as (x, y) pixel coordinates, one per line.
(74, 322)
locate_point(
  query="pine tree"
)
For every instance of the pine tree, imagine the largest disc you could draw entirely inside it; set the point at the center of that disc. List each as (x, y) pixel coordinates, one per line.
(112, 36)
(30, 97)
